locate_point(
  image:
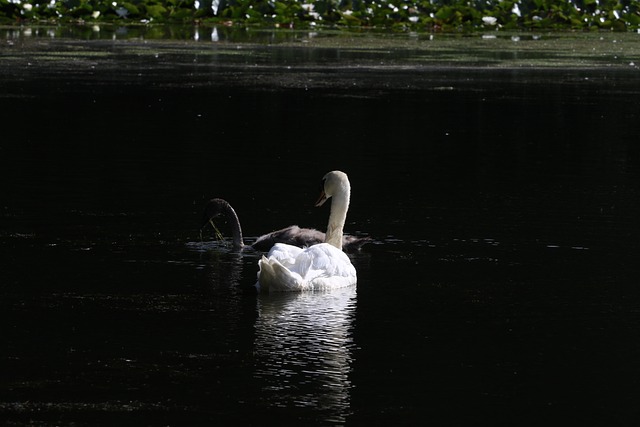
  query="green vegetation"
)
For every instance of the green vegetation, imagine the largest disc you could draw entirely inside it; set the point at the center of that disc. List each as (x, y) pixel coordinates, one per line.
(425, 15)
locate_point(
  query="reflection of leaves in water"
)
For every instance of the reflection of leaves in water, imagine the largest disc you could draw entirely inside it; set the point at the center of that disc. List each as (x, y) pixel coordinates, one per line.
(303, 347)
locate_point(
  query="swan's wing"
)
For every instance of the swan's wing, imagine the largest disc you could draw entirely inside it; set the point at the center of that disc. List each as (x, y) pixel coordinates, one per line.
(289, 268)
(308, 237)
(324, 261)
(304, 237)
(272, 275)
(264, 243)
(292, 235)
(285, 254)
(276, 272)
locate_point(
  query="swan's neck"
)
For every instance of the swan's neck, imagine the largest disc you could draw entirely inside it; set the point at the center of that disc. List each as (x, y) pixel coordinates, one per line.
(236, 231)
(338, 217)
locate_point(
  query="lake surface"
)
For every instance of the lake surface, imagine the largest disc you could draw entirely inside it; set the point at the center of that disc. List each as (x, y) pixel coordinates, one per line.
(499, 176)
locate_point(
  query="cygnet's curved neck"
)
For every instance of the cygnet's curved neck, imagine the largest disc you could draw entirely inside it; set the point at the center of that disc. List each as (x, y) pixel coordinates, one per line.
(338, 215)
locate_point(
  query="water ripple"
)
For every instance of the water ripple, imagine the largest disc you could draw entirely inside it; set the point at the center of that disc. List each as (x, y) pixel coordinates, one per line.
(304, 350)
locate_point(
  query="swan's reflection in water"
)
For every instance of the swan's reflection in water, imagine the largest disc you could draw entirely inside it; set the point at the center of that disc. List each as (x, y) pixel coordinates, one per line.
(304, 348)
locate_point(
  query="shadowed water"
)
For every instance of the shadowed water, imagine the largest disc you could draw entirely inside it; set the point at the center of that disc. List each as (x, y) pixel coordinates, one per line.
(498, 177)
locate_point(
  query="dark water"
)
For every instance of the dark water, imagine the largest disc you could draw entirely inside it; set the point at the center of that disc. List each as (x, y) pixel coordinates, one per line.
(499, 178)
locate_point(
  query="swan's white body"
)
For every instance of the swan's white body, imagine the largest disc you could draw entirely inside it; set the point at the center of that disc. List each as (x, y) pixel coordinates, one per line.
(319, 267)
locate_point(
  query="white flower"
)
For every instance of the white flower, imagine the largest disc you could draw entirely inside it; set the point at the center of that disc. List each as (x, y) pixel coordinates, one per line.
(27, 7)
(489, 20)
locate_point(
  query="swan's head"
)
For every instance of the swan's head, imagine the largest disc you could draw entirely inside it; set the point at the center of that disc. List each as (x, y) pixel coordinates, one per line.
(333, 183)
(213, 209)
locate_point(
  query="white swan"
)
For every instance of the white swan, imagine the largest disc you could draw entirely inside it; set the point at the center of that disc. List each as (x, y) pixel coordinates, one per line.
(292, 235)
(319, 267)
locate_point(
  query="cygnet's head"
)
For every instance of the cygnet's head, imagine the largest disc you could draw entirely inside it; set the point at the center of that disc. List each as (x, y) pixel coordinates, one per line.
(333, 183)
(213, 209)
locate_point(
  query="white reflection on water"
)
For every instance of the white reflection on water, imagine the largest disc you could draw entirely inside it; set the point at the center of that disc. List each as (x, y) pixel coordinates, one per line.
(303, 350)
